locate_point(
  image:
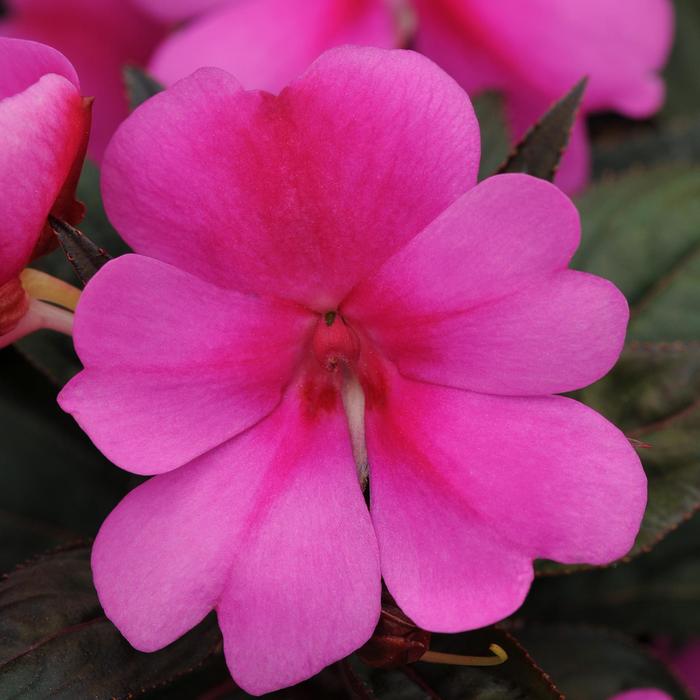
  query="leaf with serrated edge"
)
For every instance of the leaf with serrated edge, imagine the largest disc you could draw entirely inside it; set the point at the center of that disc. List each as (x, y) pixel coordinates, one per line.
(655, 594)
(85, 256)
(542, 148)
(56, 642)
(55, 486)
(591, 662)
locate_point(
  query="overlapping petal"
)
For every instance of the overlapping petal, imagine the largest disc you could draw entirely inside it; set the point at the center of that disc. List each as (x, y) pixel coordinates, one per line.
(296, 588)
(482, 299)
(306, 582)
(226, 183)
(467, 488)
(23, 63)
(44, 128)
(205, 364)
(268, 43)
(99, 38)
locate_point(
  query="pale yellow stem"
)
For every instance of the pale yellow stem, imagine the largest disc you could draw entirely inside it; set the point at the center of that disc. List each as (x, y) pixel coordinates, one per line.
(39, 315)
(40, 285)
(437, 657)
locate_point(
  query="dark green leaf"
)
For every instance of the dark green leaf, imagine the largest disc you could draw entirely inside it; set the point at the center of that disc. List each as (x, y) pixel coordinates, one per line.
(641, 231)
(542, 147)
(648, 144)
(593, 664)
(656, 594)
(52, 354)
(56, 642)
(495, 141)
(140, 86)
(214, 681)
(85, 257)
(54, 484)
(520, 678)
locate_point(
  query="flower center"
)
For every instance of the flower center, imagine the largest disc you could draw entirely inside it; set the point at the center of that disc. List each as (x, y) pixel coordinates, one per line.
(335, 344)
(336, 347)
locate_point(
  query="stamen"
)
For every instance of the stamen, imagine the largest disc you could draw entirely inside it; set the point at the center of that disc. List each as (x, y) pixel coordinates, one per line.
(436, 657)
(329, 318)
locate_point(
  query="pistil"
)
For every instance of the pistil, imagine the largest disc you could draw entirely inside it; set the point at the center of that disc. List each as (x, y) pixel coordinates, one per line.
(337, 348)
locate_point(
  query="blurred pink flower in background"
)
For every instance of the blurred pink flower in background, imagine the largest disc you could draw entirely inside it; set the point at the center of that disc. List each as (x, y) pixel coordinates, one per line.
(321, 289)
(268, 43)
(45, 125)
(686, 663)
(99, 37)
(536, 51)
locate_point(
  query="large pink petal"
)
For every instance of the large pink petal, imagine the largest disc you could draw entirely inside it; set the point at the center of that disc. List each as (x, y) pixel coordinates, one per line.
(271, 529)
(298, 196)
(43, 129)
(174, 365)
(161, 559)
(467, 489)
(99, 38)
(558, 335)
(481, 300)
(504, 234)
(268, 43)
(549, 45)
(304, 589)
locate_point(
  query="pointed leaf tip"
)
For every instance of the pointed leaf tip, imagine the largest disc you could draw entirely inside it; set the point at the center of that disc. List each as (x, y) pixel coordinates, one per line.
(85, 257)
(541, 149)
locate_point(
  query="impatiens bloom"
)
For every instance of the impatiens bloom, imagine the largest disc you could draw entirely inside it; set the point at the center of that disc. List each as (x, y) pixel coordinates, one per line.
(45, 125)
(322, 292)
(99, 37)
(267, 43)
(535, 52)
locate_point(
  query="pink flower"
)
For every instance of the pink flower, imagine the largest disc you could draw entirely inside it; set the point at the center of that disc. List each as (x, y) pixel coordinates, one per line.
(321, 285)
(99, 37)
(45, 125)
(267, 43)
(642, 694)
(536, 51)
